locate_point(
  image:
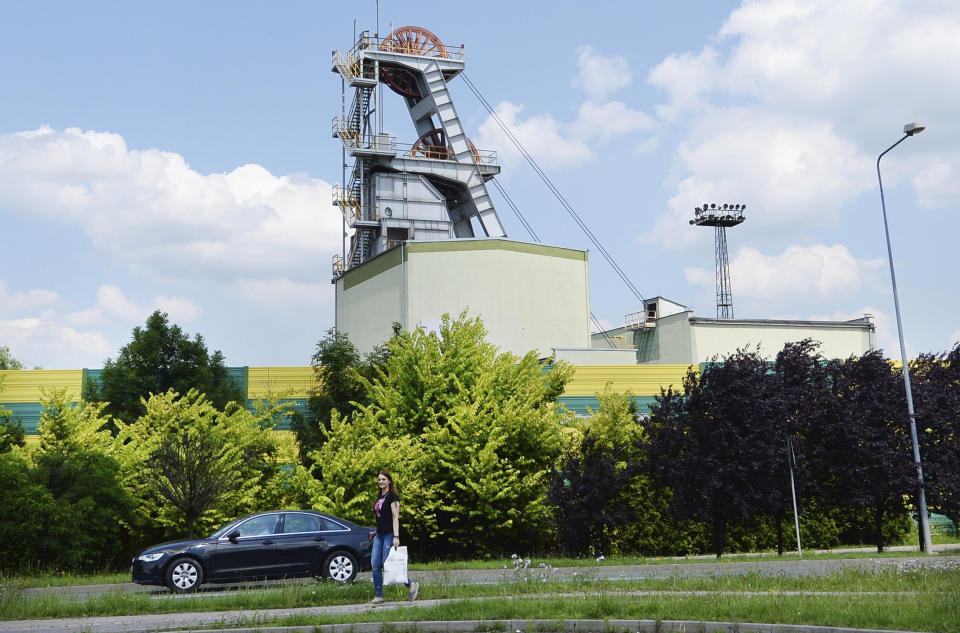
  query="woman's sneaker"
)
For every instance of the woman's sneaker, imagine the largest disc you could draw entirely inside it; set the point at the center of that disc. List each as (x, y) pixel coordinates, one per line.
(414, 590)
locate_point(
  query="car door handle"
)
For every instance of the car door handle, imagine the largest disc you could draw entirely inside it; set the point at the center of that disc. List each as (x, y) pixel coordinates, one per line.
(320, 539)
(268, 542)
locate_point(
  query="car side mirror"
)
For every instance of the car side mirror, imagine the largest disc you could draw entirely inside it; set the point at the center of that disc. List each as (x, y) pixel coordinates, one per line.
(232, 537)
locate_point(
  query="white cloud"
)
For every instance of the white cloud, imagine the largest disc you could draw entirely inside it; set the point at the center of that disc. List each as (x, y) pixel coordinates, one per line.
(112, 306)
(598, 75)
(789, 104)
(541, 135)
(40, 340)
(604, 121)
(29, 301)
(554, 142)
(789, 173)
(150, 211)
(799, 274)
(685, 77)
(283, 292)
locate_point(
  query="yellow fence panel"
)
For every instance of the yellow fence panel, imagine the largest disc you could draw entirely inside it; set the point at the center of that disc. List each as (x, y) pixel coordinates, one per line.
(641, 380)
(283, 382)
(24, 385)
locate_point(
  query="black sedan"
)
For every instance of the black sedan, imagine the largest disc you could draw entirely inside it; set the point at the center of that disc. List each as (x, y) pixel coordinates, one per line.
(284, 544)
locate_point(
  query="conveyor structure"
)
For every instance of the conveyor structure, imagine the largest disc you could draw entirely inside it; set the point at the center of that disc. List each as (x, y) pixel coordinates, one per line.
(434, 188)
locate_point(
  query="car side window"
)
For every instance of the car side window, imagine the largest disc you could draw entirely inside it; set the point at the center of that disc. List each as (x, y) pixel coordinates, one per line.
(294, 523)
(332, 525)
(259, 526)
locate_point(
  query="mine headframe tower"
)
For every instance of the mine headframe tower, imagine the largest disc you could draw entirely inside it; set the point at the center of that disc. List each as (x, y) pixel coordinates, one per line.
(721, 217)
(434, 188)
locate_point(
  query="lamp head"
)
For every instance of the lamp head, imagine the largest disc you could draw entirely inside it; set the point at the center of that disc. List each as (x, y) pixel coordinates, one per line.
(911, 129)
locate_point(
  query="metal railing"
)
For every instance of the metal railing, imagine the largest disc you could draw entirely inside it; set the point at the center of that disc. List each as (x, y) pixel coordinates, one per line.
(384, 45)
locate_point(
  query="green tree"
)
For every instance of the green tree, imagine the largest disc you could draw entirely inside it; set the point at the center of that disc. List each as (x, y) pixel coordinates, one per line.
(162, 357)
(190, 465)
(28, 512)
(340, 384)
(11, 429)
(87, 505)
(471, 436)
(7, 361)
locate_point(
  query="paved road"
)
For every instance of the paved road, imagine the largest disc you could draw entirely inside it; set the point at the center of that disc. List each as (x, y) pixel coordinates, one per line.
(229, 619)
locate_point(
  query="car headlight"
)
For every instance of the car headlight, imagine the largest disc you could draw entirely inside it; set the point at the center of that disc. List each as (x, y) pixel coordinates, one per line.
(149, 558)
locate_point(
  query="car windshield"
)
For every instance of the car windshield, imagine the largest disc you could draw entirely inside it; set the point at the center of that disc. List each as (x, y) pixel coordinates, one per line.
(226, 528)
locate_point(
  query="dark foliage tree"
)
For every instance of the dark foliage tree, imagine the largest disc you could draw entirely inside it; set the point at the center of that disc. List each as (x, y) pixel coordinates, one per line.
(11, 431)
(339, 384)
(936, 388)
(586, 492)
(193, 471)
(28, 510)
(713, 445)
(162, 357)
(799, 392)
(863, 456)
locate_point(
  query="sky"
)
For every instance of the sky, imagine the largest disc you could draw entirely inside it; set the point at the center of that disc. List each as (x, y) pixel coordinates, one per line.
(178, 156)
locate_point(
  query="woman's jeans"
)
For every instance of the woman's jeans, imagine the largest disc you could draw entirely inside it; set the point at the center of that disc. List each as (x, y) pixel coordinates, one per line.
(381, 548)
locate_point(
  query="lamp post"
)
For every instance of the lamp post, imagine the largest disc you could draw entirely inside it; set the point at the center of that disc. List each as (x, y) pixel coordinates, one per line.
(909, 130)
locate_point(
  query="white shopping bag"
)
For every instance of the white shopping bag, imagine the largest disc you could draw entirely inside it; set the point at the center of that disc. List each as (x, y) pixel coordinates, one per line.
(395, 567)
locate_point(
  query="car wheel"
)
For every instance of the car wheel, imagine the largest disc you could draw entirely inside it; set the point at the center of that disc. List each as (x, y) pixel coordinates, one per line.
(184, 575)
(340, 566)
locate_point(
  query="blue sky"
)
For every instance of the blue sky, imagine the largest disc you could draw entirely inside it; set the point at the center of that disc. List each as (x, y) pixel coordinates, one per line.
(178, 156)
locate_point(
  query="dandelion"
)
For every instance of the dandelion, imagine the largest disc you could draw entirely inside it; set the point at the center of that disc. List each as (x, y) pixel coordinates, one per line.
(601, 558)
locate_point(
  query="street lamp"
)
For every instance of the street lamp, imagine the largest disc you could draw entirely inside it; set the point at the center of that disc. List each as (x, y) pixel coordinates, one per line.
(909, 130)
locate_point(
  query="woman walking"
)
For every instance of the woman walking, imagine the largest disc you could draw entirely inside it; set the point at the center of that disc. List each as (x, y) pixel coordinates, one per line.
(387, 509)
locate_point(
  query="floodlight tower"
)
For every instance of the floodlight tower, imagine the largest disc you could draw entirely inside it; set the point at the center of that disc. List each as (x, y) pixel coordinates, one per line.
(721, 217)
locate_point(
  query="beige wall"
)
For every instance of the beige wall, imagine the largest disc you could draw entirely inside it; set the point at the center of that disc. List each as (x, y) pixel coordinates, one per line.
(836, 340)
(370, 299)
(530, 296)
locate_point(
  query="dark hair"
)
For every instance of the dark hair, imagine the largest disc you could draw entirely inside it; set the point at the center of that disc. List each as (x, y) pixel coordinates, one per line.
(387, 474)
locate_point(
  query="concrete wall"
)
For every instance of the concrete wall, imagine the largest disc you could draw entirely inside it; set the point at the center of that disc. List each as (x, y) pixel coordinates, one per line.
(837, 340)
(370, 299)
(596, 356)
(530, 296)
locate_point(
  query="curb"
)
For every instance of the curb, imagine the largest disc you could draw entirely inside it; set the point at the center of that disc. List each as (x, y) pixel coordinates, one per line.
(555, 626)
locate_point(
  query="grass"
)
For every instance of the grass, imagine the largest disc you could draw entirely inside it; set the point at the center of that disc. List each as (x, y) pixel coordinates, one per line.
(902, 596)
(61, 579)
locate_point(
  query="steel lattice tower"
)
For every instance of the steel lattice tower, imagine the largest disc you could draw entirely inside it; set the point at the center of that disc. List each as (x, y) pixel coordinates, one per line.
(720, 217)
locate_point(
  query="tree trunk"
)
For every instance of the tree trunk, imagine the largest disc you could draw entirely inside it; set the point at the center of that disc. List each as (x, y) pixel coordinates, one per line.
(719, 536)
(878, 522)
(779, 520)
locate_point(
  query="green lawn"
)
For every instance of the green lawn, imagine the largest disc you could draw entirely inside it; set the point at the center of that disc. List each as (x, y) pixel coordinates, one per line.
(904, 597)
